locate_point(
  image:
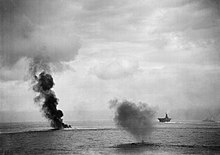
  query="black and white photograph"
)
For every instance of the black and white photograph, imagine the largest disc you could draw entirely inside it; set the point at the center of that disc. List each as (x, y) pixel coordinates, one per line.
(109, 77)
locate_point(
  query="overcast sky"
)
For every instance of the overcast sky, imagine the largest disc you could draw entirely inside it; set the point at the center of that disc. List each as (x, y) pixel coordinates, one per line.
(165, 53)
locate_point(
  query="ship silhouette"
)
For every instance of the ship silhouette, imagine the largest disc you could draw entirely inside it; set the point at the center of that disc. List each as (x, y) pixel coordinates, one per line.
(165, 119)
(210, 118)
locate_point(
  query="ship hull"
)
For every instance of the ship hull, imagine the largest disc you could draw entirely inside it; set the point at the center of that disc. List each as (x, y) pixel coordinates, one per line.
(164, 119)
(208, 121)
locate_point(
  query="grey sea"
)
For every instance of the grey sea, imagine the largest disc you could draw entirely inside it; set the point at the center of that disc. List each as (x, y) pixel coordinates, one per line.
(102, 137)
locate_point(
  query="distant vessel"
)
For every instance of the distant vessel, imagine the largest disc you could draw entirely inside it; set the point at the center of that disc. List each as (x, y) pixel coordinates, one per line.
(211, 120)
(165, 119)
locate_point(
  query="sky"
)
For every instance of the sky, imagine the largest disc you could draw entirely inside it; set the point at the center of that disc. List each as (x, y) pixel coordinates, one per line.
(163, 53)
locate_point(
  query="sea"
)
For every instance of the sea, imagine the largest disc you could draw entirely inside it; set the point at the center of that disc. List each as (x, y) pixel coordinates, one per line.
(103, 137)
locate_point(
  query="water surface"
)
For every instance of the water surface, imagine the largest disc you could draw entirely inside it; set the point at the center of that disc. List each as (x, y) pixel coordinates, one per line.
(103, 138)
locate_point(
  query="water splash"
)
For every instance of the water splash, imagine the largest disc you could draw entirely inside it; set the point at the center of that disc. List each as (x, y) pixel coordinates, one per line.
(134, 118)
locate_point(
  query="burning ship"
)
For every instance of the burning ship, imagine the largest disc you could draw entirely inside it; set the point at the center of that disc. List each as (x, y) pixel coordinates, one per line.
(165, 119)
(44, 84)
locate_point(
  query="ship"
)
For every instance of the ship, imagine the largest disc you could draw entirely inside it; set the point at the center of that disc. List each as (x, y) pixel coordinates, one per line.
(209, 120)
(165, 119)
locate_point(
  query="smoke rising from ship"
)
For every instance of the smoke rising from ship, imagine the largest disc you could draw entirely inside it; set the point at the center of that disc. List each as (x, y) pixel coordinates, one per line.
(134, 118)
(42, 81)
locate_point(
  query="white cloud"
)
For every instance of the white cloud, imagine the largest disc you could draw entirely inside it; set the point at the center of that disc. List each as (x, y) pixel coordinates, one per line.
(16, 96)
(16, 72)
(164, 53)
(27, 33)
(116, 68)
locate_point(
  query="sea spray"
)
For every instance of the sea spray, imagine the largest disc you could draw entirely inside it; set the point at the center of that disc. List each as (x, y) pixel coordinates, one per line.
(134, 118)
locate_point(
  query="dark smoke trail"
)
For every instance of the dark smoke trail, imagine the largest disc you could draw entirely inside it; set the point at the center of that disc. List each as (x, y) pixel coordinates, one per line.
(135, 119)
(43, 85)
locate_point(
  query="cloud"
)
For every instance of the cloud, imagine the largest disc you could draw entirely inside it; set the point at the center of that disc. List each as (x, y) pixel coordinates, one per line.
(114, 69)
(168, 32)
(31, 28)
(15, 96)
(166, 53)
(17, 72)
(54, 28)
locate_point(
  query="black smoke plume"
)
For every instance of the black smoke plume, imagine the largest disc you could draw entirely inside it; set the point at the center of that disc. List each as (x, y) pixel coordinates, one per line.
(42, 84)
(134, 118)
